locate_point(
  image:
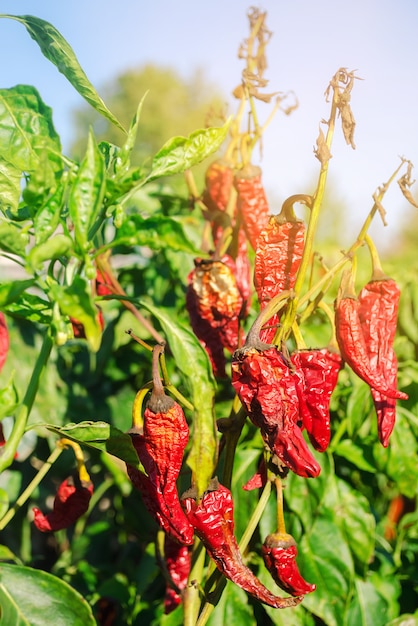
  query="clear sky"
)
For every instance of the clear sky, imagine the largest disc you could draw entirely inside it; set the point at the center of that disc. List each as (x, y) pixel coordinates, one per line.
(312, 39)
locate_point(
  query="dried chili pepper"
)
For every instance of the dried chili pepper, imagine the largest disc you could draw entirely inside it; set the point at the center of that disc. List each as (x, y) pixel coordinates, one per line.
(160, 448)
(214, 303)
(352, 343)
(213, 521)
(278, 256)
(71, 502)
(219, 179)
(4, 340)
(320, 370)
(252, 202)
(279, 552)
(268, 389)
(177, 562)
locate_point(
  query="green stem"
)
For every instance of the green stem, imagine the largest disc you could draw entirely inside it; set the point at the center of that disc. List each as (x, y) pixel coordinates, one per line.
(23, 412)
(290, 315)
(25, 495)
(191, 598)
(358, 242)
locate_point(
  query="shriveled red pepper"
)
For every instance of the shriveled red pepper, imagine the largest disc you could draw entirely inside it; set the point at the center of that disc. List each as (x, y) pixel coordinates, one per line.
(267, 387)
(214, 303)
(278, 255)
(103, 283)
(320, 369)
(4, 340)
(252, 203)
(219, 180)
(279, 552)
(160, 448)
(352, 342)
(213, 520)
(71, 502)
(378, 312)
(177, 561)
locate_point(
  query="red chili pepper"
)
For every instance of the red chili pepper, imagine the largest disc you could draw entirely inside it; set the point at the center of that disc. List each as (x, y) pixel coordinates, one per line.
(278, 256)
(177, 565)
(4, 340)
(268, 389)
(160, 449)
(219, 179)
(103, 284)
(378, 312)
(213, 520)
(252, 202)
(70, 503)
(352, 343)
(320, 370)
(279, 553)
(214, 303)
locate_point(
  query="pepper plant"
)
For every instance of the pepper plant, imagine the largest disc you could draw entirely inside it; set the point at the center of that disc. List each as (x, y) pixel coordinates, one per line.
(199, 408)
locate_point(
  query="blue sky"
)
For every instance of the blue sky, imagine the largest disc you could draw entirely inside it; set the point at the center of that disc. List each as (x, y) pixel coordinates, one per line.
(312, 39)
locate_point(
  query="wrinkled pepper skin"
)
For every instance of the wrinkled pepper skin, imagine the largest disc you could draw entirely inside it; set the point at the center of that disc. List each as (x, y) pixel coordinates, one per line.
(4, 340)
(71, 502)
(320, 370)
(279, 553)
(219, 179)
(278, 256)
(252, 204)
(160, 449)
(378, 312)
(177, 563)
(354, 350)
(268, 390)
(214, 303)
(213, 520)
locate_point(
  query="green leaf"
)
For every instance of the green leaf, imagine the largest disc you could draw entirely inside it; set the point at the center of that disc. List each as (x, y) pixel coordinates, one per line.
(27, 133)
(9, 186)
(233, 608)
(402, 454)
(368, 607)
(181, 153)
(99, 435)
(11, 290)
(87, 193)
(324, 559)
(57, 50)
(13, 239)
(353, 453)
(123, 161)
(58, 246)
(76, 301)
(48, 216)
(356, 521)
(192, 360)
(6, 554)
(4, 504)
(9, 399)
(31, 597)
(31, 307)
(407, 619)
(156, 232)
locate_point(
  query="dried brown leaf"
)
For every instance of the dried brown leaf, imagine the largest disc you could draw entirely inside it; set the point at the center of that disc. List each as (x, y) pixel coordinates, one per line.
(405, 182)
(322, 151)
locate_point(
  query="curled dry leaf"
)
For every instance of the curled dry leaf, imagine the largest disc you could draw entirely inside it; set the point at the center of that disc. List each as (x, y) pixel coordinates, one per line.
(322, 151)
(405, 182)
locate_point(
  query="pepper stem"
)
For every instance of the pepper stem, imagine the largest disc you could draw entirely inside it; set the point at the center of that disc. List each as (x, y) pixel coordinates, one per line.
(377, 270)
(159, 402)
(281, 526)
(253, 337)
